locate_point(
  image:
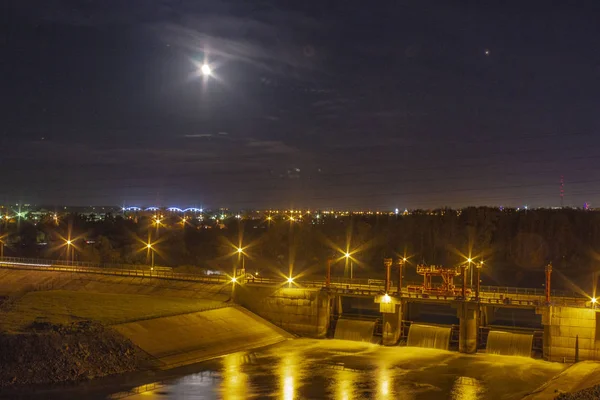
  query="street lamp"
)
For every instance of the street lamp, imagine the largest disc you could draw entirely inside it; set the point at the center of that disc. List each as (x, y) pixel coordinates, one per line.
(69, 243)
(349, 258)
(469, 261)
(151, 249)
(478, 287)
(401, 264)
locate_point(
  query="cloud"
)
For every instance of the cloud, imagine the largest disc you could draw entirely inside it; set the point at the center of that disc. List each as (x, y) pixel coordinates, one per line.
(198, 135)
(272, 146)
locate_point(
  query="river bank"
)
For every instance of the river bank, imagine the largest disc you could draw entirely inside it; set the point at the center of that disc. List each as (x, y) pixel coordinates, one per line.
(59, 353)
(61, 336)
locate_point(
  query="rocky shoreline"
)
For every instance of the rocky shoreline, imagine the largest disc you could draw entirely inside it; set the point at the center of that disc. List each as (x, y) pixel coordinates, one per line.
(592, 393)
(63, 353)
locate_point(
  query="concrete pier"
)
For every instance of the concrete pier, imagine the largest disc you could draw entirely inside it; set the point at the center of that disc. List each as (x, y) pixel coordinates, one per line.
(302, 311)
(568, 331)
(468, 315)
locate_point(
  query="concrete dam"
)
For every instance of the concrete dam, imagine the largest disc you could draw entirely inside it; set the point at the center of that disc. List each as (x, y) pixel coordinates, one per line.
(554, 332)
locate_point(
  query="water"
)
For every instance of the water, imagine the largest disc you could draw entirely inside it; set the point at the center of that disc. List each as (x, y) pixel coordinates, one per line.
(509, 344)
(336, 369)
(429, 336)
(356, 330)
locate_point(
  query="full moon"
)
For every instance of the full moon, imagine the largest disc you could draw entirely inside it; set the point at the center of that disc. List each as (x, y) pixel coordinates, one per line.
(205, 69)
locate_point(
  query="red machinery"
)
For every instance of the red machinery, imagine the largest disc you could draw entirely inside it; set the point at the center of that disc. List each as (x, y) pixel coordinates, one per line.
(447, 287)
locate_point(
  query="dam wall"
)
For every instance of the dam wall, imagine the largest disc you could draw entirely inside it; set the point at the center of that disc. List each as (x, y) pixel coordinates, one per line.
(189, 338)
(17, 281)
(301, 311)
(571, 333)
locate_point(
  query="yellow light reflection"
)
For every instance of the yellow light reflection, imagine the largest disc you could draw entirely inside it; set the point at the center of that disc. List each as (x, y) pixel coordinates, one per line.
(289, 376)
(344, 388)
(235, 381)
(384, 383)
(466, 388)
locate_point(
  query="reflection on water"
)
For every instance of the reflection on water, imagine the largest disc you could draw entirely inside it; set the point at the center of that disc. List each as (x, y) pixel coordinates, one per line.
(289, 374)
(345, 370)
(234, 381)
(343, 387)
(466, 388)
(384, 383)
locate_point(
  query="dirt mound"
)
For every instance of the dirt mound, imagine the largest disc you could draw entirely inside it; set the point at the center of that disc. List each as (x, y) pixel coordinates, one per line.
(59, 353)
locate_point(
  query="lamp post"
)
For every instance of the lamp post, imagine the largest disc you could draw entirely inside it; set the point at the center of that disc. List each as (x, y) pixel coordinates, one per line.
(548, 281)
(464, 282)
(469, 261)
(149, 247)
(401, 263)
(328, 275)
(349, 259)
(69, 243)
(478, 287)
(387, 262)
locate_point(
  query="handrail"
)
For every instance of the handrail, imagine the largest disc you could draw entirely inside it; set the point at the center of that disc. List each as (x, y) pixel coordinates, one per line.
(360, 284)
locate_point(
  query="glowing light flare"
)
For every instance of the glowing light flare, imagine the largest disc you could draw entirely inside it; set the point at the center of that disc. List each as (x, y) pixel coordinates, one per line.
(594, 300)
(386, 299)
(206, 70)
(234, 280)
(290, 280)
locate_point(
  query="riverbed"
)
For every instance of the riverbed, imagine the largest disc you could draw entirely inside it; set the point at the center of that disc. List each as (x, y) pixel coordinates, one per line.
(336, 369)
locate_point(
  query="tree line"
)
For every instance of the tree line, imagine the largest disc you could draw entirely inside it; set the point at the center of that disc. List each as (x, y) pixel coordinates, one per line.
(514, 244)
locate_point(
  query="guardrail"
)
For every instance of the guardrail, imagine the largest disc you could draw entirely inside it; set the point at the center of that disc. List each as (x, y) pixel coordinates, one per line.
(358, 286)
(70, 263)
(48, 266)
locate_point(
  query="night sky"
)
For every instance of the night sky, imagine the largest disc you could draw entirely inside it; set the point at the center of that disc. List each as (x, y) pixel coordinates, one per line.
(346, 104)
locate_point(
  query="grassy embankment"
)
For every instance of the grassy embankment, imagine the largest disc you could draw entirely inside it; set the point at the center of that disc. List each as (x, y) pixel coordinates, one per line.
(59, 336)
(59, 307)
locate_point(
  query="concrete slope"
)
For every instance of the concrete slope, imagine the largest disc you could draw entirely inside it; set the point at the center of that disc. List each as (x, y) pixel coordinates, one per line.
(16, 281)
(577, 377)
(188, 338)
